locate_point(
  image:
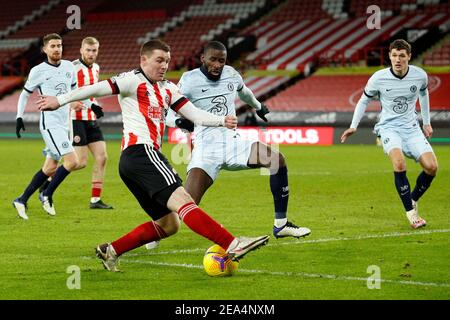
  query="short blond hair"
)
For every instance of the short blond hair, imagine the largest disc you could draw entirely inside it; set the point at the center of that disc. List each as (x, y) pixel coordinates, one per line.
(90, 41)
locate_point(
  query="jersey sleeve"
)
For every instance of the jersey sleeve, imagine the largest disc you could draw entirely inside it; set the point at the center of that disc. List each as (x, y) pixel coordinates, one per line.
(183, 85)
(33, 81)
(371, 90)
(424, 85)
(74, 84)
(240, 80)
(177, 100)
(122, 83)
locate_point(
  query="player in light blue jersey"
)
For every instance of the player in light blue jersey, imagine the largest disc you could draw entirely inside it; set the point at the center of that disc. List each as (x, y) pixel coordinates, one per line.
(52, 77)
(398, 89)
(214, 87)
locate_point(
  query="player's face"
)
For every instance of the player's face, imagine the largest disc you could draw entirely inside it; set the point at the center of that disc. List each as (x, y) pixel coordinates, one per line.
(214, 61)
(53, 50)
(156, 64)
(399, 60)
(89, 53)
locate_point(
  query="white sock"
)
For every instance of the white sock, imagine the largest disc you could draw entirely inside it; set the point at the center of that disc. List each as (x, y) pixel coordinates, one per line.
(95, 199)
(280, 222)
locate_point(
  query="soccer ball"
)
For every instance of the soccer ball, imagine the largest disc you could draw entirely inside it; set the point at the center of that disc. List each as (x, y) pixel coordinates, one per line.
(217, 263)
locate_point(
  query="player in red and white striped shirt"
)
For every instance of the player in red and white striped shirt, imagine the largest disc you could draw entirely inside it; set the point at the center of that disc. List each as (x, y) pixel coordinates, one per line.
(145, 97)
(87, 135)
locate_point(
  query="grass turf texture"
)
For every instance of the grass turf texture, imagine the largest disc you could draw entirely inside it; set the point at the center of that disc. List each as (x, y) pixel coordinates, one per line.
(345, 194)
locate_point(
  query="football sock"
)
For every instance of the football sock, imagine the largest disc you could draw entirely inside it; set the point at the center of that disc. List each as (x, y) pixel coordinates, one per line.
(422, 184)
(145, 233)
(60, 174)
(403, 189)
(38, 179)
(96, 191)
(200, 222)
(45, 184)
(280, 192)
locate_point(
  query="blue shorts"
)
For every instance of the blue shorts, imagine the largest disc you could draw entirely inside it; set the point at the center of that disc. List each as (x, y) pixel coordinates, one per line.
(411, 141)
(57, 142)
(231, 154)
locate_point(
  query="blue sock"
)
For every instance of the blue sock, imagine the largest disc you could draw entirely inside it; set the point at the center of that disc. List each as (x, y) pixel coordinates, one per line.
(280, 192)
(38, 179)
(422, 184)
(403, 189)
(59, 176)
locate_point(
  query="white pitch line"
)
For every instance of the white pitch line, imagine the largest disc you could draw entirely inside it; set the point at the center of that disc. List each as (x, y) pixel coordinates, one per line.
(295, 274)
(361, 237)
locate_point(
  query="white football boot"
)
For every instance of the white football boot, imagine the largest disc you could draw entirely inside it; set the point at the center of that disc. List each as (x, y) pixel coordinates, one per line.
(108, 255)
(413, 217)
(290, 230)
(245, 245)
(21, 208)
(47, 204)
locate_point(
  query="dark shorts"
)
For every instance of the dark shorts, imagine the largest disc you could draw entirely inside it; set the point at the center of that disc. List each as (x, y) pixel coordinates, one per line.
(85, 132)
(149, 177)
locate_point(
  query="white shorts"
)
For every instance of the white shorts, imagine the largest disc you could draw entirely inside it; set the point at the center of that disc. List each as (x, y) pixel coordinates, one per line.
(411, 141)
(231, 154)
(57, 142)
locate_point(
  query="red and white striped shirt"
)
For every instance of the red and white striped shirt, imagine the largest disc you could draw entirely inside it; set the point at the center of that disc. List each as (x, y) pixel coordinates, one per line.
(86, 75)
(144, 105)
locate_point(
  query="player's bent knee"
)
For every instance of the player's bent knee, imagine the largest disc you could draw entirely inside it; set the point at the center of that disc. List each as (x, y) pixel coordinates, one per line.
(399, 165)
(431, 169)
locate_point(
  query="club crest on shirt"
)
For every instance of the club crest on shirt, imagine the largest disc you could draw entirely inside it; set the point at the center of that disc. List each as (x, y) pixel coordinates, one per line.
(167, 99)
(230, 86)
(68, 75)
(413, 89)
(65, 145)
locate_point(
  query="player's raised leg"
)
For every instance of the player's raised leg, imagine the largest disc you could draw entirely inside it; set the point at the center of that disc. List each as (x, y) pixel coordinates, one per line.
(262, 155)
(201, 223)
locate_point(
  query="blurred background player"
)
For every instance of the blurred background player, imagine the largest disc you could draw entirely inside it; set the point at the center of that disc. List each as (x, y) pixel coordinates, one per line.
(213, 87)
(52, 77)
(144, 97)
(398, 89)
(87, 135)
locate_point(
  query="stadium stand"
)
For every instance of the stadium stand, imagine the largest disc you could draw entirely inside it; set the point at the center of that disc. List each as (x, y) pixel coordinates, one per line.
(296, 34)
(439, 55)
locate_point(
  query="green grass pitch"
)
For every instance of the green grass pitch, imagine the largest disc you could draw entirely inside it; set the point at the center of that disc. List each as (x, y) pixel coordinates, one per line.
(345, 194)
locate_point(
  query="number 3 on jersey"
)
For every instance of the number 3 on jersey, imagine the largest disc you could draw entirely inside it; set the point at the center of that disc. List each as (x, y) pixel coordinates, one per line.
(220, 108)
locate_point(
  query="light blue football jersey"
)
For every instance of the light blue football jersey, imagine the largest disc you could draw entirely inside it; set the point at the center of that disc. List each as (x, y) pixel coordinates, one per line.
(53, 80)
(398, 96)
(216, 97)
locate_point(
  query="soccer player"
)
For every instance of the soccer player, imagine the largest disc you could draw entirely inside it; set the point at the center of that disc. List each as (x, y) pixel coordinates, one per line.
(52, 77)
(87, 135)
(213, 87)
(398, 89)
(144, 97)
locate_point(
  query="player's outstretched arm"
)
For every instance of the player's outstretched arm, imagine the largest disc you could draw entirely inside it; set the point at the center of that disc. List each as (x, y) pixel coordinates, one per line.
(203, 118)
(99, 89)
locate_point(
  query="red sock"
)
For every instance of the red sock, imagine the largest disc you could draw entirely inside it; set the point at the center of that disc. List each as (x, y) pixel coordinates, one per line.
(96, 189)
(145, 233)
(199, 221)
